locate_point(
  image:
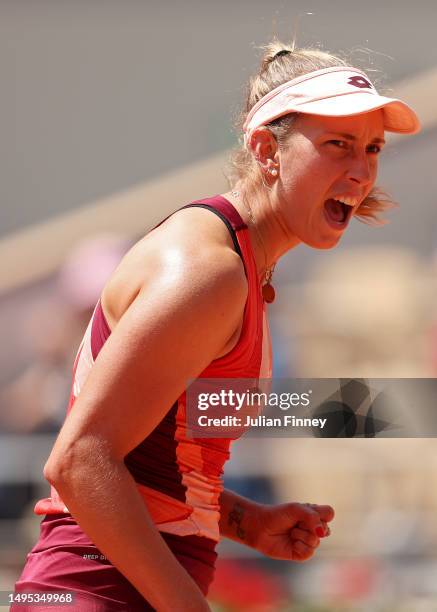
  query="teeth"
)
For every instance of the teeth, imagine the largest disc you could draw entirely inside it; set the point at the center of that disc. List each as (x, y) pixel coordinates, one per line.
(349, 200)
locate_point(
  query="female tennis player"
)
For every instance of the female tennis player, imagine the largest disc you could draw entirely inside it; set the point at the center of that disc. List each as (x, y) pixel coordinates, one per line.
(137, 506)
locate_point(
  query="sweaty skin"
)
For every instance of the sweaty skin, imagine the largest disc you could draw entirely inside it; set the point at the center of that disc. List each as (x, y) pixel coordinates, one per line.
(171, 292)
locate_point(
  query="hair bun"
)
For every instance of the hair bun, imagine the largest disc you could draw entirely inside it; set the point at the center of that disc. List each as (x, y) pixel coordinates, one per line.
(281, 53)
(273, 50)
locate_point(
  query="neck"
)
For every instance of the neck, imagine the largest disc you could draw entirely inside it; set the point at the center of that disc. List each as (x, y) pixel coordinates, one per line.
(262, 259)
(269, 241)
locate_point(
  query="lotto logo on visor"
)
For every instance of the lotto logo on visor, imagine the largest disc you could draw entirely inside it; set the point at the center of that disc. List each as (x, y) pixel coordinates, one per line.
(361, 82)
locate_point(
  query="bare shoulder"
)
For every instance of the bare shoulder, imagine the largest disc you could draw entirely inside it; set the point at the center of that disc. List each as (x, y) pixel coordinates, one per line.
(190, 290)
(193, 246)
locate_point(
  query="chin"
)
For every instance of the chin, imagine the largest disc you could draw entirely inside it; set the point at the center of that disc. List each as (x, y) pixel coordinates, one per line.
(324, 243)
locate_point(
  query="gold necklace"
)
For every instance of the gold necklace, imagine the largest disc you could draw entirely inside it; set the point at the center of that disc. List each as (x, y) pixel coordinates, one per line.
(268, 291)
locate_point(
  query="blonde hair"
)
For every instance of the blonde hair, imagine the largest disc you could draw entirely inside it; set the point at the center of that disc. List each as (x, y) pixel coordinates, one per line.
(279, 64)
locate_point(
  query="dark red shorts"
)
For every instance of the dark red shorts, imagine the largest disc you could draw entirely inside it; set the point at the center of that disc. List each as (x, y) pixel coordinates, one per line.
(64, 559)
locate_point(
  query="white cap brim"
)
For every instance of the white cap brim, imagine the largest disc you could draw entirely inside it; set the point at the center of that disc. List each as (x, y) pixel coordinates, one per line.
(398, 116)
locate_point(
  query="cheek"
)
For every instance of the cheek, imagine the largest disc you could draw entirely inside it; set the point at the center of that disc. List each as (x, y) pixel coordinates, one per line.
(299, 161)
(305, 178)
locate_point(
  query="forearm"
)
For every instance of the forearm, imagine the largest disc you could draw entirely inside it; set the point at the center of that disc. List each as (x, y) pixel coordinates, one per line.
(104, 500)
(290, 531)
(238, 518)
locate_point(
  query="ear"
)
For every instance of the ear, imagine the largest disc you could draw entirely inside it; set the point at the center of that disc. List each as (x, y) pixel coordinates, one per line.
(264, 148)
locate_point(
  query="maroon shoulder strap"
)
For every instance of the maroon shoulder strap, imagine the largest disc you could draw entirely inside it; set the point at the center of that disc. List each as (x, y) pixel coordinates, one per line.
(223, 209)
(226, 208)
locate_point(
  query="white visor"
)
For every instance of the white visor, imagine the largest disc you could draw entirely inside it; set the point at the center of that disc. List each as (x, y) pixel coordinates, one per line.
(340, 91)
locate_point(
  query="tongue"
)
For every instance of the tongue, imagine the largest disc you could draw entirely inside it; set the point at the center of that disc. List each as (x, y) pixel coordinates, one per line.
(334, 210)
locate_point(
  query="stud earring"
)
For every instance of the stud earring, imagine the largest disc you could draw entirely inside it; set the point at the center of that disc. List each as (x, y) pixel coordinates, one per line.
(273, 172)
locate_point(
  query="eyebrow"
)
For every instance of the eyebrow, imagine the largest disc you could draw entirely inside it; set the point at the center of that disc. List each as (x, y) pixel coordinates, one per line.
(352, 137)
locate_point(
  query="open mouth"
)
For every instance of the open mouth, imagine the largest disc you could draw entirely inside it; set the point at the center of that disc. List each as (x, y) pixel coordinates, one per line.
(337, 212)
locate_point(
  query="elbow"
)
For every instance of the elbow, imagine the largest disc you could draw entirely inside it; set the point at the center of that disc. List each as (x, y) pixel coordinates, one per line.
(52, 472)
(63, 460)
(59, 469)
(72, 463)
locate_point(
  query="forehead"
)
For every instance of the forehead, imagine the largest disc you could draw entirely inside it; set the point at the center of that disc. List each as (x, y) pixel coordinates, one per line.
(365, 126)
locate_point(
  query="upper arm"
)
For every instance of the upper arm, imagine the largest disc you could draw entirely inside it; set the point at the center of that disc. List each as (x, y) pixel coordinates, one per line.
(177, 324)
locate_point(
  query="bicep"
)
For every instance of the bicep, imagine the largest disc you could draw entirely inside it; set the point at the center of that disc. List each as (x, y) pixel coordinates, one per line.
(172, 330)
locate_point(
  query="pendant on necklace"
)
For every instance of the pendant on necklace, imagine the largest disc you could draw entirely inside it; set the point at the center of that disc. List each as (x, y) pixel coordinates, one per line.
(268, 292)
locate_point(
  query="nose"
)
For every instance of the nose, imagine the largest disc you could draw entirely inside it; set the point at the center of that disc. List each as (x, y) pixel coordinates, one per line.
(360, 170)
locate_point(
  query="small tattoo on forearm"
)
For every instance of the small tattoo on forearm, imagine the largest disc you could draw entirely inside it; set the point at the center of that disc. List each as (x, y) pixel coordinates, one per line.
(236, 516)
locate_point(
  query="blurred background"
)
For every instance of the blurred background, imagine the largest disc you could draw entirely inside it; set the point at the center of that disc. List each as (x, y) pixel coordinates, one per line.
(114, 114)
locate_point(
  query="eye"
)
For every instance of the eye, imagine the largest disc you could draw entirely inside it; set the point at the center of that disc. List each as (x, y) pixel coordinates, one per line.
(341, 144)
(374, 149)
